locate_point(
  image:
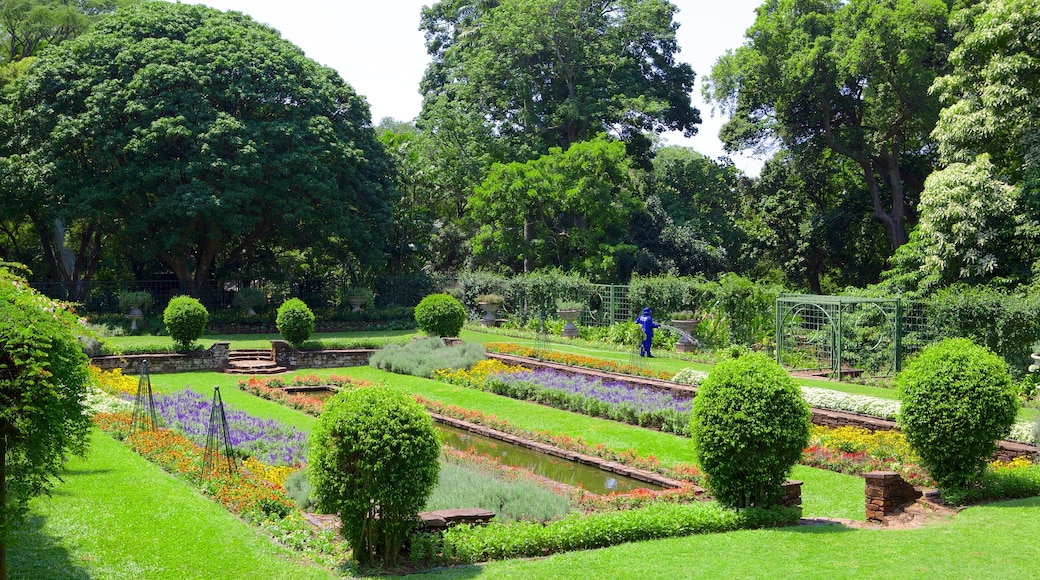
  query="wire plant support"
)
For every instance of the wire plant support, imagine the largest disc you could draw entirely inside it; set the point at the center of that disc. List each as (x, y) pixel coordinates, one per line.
(144, 417)
(216, 434)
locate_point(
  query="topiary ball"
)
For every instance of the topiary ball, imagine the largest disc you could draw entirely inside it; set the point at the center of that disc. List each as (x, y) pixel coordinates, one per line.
(440, 315)
(373, 460)
(958, 399)
(749, 426)
(185, 318)
(295, 321)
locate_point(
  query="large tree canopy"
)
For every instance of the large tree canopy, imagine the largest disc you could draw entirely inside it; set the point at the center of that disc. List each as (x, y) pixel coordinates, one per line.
(565, 209)
(853, 76)
(550, 73)
(979, 213)
(200, 137)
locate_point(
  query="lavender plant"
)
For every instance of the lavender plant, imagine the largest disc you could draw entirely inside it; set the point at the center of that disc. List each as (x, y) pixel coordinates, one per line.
(268, 440)
(597, 398)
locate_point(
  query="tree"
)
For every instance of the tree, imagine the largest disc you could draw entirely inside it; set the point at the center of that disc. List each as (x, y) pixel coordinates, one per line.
(547, 73)
(43, 383)
(978, 214)
(373, 460)
(957, 399)
(26, 26)
(689, 225)
(197, 137)
(851, 76)
(749, 425)
(806, 216)
(568, 209)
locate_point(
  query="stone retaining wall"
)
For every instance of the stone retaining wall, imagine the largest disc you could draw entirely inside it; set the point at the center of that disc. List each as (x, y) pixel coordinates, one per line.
(215, 358)
(1006, 450)
(285, 355)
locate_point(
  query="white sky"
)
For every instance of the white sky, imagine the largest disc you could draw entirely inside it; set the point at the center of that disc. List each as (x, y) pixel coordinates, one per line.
(378, 49)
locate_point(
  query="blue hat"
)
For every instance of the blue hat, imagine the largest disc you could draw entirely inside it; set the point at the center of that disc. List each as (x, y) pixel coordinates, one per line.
(646, 311)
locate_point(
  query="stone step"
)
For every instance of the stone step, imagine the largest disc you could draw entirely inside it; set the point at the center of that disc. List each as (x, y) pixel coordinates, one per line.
(253, 367)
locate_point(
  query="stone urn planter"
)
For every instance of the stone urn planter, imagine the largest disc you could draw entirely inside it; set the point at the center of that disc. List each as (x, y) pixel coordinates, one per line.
(569, 315)
(134, 315)
(489, 309)
(356, 302)
(686, 328)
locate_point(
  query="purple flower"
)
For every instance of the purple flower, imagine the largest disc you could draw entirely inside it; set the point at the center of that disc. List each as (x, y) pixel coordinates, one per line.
(268, 440)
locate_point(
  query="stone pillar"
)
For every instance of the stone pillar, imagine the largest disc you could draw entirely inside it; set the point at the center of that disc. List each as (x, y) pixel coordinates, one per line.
(285, 354)
(220, 352)
(792, 493)
(887, 493)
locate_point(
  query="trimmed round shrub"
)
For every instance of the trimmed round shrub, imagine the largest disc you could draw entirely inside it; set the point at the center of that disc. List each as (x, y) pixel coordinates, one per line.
(749, 427)
(295, 321)
(373, 461)
(185, 318)
(957, 400)
(440, 315)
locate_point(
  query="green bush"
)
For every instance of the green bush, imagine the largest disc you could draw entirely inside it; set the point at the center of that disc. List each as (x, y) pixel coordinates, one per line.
(248, 298)
(421, 357)
(185, 319)
(130, 300)
(749, 427)
(440, 315)
(373, 452)
(957, 401)
(498, 541)
(295, 321)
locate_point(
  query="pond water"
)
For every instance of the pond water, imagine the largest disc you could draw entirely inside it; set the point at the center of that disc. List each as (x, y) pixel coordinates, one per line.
(590, 478)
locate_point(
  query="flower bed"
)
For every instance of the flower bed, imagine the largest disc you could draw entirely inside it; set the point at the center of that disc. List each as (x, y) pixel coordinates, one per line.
(577, 360)
(272, 441)
(596, 398)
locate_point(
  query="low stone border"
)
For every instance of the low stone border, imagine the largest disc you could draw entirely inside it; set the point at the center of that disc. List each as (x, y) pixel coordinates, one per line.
(215, 358)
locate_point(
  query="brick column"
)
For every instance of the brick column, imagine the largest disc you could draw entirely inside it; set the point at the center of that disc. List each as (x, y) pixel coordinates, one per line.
(887, 493)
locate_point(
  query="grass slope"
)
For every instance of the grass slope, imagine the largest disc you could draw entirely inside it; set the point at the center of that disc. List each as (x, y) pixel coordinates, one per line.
(118, 516)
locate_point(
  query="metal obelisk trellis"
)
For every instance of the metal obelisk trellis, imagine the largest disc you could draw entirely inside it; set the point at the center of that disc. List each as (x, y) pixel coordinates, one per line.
(217, 433)
(144, 418)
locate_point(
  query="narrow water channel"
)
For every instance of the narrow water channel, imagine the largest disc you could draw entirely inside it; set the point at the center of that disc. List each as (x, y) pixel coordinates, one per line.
(590, 478)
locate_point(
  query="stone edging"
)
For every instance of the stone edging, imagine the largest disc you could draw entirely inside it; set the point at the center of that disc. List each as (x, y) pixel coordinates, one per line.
(611, 466)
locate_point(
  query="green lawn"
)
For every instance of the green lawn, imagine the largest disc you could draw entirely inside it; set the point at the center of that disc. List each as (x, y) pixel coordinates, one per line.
(119, 516)
(992, 541)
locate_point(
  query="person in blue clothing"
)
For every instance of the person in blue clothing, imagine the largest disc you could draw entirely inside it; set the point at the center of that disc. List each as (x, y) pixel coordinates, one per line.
(648, 324)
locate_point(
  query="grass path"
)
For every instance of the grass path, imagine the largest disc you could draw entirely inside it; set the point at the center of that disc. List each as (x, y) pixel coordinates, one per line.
(119, 516)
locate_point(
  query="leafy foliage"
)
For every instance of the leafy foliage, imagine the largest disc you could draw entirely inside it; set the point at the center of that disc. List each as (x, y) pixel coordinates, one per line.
(295, 321)
(659, 520)
(43, 385)
(749, 427)
(546, 73)
(199, 140)
(422, 357)
(841, 76)
(567, 209)
(957, 401)
(440, 315)
(374, 453)
(185, 318)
